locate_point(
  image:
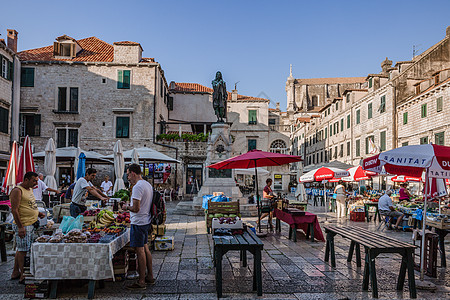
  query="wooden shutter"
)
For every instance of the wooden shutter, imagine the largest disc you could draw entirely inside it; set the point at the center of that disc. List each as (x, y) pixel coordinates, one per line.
(424, 110)
(342, 124)
(383, 140)
(358, 148)
(405, 118)
(61, 135)
(348, 121)
(126, 127)
(358, 116)
(119, 79)
(439, 104)
(10, 70)
(126, 79)
(369, 111)
(118, 127)
(37, 125)
(56, 49)
(4, 120)
(170, 103)
(62, 99)
(72, 50)
(252, 117)
(73, 106)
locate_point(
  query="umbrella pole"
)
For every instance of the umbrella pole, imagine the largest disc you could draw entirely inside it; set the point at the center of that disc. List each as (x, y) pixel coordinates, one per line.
(325, 201)
(257, 198)
(424, 218)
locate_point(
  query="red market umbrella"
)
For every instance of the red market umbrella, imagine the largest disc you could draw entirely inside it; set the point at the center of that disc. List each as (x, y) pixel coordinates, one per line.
(254, 159)
(413, 161)
(11, 172)
(26, 162)
(356, 174)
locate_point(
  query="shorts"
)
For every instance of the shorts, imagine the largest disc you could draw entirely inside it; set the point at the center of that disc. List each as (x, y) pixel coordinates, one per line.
(76, 209)
(139, 235)
(391, 213)
(24, 244)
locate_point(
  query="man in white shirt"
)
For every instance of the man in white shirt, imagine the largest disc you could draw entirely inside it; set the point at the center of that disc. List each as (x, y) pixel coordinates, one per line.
(107, 186)
(80, 191)
(141, 198)
(41, 187)
(386, 208)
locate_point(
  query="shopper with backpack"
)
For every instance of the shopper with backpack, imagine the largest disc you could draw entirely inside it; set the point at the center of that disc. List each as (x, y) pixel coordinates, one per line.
(140, 212)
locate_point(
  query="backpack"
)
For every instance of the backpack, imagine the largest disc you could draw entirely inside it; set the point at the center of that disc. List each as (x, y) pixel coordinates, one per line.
(158, 208)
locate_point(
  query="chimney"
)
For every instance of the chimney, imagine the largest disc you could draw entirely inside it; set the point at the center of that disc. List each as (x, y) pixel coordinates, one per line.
(278, 106)
(234, 95)
(12, 39)
(385, 65)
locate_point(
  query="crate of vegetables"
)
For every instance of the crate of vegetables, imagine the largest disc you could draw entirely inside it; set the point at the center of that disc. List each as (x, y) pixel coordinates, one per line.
(229, 222)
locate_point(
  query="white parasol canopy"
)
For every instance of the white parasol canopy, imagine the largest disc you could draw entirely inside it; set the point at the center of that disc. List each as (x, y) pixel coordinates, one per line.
(11, 172)
(134, 157)
(147, 154)
(50, 164)
(261, 171)
(119, 165)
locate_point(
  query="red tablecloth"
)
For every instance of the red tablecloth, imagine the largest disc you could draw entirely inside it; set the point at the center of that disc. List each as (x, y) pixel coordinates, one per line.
(301, 222)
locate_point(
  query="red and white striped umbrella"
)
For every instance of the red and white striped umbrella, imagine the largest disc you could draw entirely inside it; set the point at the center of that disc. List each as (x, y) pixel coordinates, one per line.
(323, 173)
(358, 173)
(11, 173)
(403, 178)
(436, 188)
(26, 162)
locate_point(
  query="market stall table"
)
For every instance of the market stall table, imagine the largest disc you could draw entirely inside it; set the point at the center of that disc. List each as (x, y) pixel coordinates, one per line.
(59, 261)
(307, 222)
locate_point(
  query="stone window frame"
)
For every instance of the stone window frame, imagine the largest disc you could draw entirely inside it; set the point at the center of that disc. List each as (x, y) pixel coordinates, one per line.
(68, 87)
(67, 128)
(117, 79)
(256, 109)
(123, 113)
(276, 146)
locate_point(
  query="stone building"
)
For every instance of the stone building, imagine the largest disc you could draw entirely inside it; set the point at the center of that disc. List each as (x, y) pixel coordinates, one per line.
(253, 126)
(9, 97)
(89, 93)
(364, 120)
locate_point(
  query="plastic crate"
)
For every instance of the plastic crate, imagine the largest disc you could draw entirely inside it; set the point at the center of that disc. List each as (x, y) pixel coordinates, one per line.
(357, 216)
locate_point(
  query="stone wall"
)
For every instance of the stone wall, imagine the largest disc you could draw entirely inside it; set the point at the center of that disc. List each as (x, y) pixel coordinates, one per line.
(5, 101)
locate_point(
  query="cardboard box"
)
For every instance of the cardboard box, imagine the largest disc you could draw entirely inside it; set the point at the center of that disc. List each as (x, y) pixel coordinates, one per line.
(164, 243)
(36, 289)
(159, 230)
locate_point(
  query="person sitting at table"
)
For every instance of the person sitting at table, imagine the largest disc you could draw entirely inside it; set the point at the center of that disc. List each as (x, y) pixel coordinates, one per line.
(107, 187)
(404, 193)
(341, 193)
(267, 203)
(386, 208)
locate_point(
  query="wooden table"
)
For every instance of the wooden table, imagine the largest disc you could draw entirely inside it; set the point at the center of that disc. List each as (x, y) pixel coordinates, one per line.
(374, 245)
(247, 241)
(366, 210)
(442, 231)
(308, 223)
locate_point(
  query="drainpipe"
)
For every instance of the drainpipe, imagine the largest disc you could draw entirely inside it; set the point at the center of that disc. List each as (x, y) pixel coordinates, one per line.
(154, 131)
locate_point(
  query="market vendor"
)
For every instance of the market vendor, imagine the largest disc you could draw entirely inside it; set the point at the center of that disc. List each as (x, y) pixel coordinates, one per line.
(267, 203)
(41, 187)
(107, 186)
(80, 191)
(386, 208)
(26, 214)
(404, 193)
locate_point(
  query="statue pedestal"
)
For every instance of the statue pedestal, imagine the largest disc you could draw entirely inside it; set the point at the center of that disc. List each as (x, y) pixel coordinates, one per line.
(219, 148)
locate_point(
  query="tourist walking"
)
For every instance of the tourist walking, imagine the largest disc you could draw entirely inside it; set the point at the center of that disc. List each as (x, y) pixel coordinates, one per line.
(341, 193)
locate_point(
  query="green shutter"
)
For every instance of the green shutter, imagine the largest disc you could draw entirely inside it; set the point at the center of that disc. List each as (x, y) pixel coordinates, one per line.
(37, 125)
(331, 130)
(439, 104)
(342, 125)
(251, 144)
(369, 111)
(326, 132)
(439, 138)
(358, 116)
(126, 79)
(252, 117)
(405, 118)
(367, 145)
(358, 148)
(348, 148)
(405, 144)
(4, 120)
(119, 79)
(126, 127)
(118, 127)
(27, 77)
(348, 121)
(424, 111)
(10, 70)
(370, 83)
(383, 141)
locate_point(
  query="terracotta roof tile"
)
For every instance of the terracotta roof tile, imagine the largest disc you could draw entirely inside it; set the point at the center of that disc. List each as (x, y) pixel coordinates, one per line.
(126, 43)
(148, 59)
(304, 119)
(341, 80)
(94, 50)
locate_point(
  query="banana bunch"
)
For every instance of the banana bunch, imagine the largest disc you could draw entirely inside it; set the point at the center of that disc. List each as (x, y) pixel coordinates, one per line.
(105, 220)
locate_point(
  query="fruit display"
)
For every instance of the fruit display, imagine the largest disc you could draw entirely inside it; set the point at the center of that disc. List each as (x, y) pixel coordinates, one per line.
(104, 218)
(91, 212)
(123, 218)
(228, 220)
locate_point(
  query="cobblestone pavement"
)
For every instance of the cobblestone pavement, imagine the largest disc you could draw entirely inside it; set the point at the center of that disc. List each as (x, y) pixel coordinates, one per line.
(290, 270)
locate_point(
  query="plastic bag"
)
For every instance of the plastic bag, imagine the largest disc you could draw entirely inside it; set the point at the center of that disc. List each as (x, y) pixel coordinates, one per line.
(205, 201)
(77, 223)
(66, 222)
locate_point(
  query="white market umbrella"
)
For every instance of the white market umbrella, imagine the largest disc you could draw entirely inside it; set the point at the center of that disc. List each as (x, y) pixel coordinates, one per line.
(119, 165)
(134, 157)
(75, 164)
(50, 164)
(147, 154)
(261, 171)
(11, 172)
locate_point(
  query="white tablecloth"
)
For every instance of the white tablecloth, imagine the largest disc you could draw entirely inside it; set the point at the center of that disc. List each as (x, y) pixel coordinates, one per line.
(75, 260)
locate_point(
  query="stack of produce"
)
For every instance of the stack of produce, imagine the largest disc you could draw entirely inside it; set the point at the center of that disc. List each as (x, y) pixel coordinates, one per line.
(123, 218)
(76, 236)
(104, 219)
(91, 212)
(123, 194)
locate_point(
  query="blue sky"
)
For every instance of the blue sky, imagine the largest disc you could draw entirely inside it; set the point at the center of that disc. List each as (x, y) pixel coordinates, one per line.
(252, 42)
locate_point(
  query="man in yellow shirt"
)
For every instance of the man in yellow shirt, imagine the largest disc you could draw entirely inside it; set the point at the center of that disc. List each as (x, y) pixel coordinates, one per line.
(26, 213)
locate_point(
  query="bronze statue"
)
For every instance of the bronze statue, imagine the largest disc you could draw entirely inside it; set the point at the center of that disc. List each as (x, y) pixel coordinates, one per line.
(220, 96)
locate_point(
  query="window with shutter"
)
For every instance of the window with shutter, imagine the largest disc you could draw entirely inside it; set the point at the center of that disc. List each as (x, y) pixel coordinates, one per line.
(369, 111)
(348, 121)
(331, 130)
(27, 77)
(4, 120)
(341, 152)
(119, 79)
(439, 104)
(10, 70)
(4, 66)
(73, 138)
(170, 103)
(439, 138)
(348, 148)
(358, 148)
(326, 132)
(405, 144)
(382, 140)
(251, 144)
(423, 110)
(123, 79)
(62, 99)
(122, 127)
(61, 138)
(424, 140)
(37, 125)
(358, 116)
(73, 99)
(382, 107)
(405, 118)
(252, 117)
(342, 124)
(370, 83)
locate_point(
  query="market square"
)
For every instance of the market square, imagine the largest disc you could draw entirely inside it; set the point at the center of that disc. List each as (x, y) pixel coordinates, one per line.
(132, 167)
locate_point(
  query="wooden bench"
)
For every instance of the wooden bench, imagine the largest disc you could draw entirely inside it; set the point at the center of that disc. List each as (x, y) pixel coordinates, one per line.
(374, 244)
(247, 241)
(225, 208)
